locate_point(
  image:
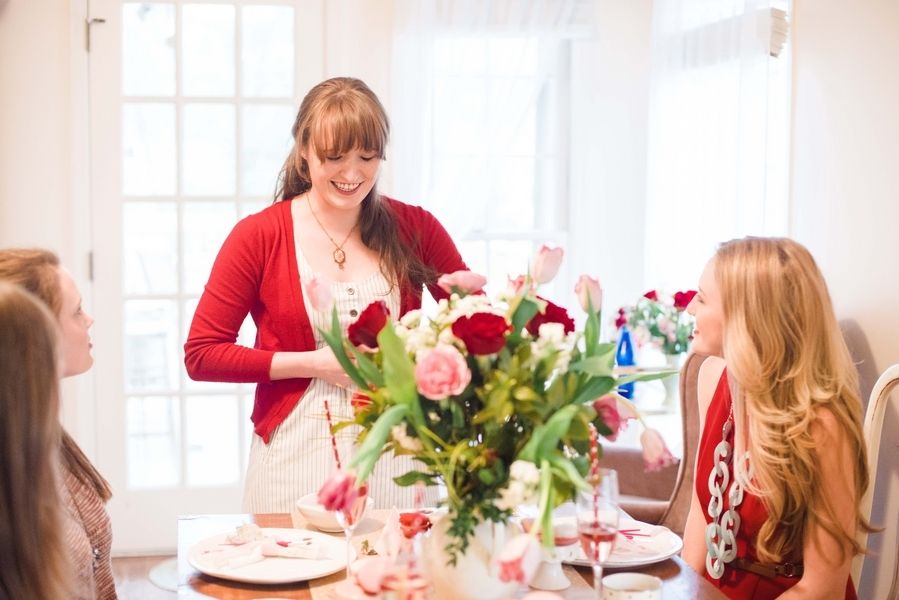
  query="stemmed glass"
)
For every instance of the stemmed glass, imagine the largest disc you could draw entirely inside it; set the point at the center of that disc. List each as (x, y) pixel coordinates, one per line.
(597, 521)
(349, 518)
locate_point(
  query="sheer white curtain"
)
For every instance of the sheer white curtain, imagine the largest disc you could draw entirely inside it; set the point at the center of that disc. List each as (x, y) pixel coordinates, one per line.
(718, 133)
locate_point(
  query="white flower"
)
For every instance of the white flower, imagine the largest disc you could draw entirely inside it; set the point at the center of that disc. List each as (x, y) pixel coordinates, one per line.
(525, 471)
(405, 441)
(524, 477)
(411, 319)
(552, 333)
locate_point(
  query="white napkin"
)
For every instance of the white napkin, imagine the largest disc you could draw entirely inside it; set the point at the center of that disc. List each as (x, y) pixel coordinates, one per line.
(388, 543)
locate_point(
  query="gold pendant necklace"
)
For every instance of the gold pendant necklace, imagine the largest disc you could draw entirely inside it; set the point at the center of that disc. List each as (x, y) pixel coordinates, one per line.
(338, 255)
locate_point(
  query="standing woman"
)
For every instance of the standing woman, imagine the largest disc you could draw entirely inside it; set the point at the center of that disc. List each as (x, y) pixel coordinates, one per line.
(85, 491)
(328, 224)
(781, 463)
(33, 558)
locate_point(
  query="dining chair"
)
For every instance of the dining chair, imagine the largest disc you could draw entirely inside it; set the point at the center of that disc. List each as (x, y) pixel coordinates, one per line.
(877, 573)
(862, 357)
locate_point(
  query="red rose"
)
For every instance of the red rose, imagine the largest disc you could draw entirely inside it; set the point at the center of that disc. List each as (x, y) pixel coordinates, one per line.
(364, 331)
(482, 333)
(553, 314)
(651, 295)
(360, 402)
(413, 523)
(621, 320)
(682, 299)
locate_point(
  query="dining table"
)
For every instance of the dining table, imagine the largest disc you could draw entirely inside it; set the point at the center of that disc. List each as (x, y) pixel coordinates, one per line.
(678, 579)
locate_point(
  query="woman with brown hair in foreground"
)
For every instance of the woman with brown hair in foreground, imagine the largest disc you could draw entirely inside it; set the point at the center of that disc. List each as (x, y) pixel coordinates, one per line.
(84, 491)
(33, 558)
(781, 464)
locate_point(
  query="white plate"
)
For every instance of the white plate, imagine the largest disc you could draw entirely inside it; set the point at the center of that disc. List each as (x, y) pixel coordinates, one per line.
(272, 569)
(641, 544)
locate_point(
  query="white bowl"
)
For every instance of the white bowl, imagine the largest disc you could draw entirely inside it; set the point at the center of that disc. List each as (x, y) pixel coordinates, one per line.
(324, 520)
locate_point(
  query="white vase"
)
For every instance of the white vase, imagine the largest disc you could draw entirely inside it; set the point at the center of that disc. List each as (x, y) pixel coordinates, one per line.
(672, 382)
(475, 574)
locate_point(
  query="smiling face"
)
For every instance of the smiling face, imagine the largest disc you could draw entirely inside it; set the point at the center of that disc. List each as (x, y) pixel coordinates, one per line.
(342, 181)
(708, 309)
(74, 324)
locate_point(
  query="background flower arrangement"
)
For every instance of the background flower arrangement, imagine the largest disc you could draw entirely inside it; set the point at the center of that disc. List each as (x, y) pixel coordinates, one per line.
(661, 320)
(494, 397)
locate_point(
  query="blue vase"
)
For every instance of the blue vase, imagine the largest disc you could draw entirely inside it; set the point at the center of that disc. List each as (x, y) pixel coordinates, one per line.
(624, 357)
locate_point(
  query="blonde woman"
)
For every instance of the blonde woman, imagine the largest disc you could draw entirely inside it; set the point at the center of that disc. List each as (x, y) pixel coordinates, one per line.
(781, 463)
(33, 559)
(85, 492)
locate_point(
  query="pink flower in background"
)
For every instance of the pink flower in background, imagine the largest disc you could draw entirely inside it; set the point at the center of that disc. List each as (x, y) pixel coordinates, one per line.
(656, 455)
(613, 414)
(441, 372)
(589, 293)
(652, 295)
(465, 282)
(319, 291)
(683, 299)
(519, 559)
(516, 285)
(546, 264)
(339, 491)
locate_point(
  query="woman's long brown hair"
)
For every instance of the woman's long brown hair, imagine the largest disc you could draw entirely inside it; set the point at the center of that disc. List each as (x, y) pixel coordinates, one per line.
(37, 270)
(336, 116)
(33, 558)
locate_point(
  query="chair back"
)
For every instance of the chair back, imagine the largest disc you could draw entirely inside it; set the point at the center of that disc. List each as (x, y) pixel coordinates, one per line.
(877, 574)
(862, 357)
(675, 517)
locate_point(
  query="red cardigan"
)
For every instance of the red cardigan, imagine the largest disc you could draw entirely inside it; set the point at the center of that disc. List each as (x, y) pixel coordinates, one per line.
(256, 272)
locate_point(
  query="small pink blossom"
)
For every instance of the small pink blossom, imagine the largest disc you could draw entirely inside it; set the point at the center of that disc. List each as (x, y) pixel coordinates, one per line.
(515, 285)
(589, 293)
(519, 559)
(338, 492)
(656, 455)
(463, 282)
(441, 372)
(319, 291)
(613, 414)
(546, 264)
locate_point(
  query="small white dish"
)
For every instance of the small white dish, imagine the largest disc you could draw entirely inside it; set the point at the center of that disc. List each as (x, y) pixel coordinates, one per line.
(631, 586)
(549, 575)
(323, 520)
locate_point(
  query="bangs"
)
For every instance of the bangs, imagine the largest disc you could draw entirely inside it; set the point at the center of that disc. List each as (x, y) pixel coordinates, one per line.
(346, 125)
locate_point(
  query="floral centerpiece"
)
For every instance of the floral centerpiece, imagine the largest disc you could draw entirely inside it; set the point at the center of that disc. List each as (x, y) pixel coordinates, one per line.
(661, 320)
(494, 398)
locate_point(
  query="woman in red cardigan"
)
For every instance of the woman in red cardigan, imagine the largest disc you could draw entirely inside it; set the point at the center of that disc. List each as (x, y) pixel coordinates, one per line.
(328, 226)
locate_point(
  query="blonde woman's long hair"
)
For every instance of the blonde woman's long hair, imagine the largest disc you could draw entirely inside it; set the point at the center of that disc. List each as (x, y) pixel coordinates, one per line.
(33, 557)
(786, 359)
(37, 271)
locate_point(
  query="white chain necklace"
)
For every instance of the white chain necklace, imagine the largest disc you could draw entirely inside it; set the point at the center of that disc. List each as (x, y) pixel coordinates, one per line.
(721, 533)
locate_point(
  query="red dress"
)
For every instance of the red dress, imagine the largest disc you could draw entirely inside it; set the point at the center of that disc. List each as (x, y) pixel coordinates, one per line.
(736, 583)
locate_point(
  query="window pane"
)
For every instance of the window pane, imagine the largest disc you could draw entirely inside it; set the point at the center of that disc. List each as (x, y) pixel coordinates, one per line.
(149, 232)
(153, 442)
(213, 443)
(148, 149)
(512, 115)
(209, 149)
(460, 55)
(206, 225)
(509, 258)
(267, 48)
(207, 40)
(265, 140)
(460, 194)
(148, 49)
(460, 109)
(512, 56)
(511, 207)
(151, 345)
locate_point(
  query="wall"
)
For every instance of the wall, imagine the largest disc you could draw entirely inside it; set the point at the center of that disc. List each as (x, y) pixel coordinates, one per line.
(845, 183)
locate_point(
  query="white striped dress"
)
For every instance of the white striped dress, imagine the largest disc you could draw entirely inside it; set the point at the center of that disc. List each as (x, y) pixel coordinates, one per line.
(299, 457)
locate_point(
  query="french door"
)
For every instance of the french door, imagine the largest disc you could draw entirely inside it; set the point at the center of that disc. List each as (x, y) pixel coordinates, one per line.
(191, 106)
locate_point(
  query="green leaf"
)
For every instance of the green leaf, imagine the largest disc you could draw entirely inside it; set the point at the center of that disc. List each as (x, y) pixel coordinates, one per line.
(596, 366)
(594, 388)
(399, 373)
(646, 376)
(334, 339)
(524, 312)
(571, 473)
(413, 477)
(368, 368)
(368, 453)
(546, 436)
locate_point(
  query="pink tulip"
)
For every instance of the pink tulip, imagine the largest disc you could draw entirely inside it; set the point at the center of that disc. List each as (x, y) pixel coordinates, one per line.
(546, 264)
(462, 282)
(589, 293)
(519, 559)
(441, 372)
(515, 285)
(339, 491)
(611, 413)
(656, 455)
(319, 291)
